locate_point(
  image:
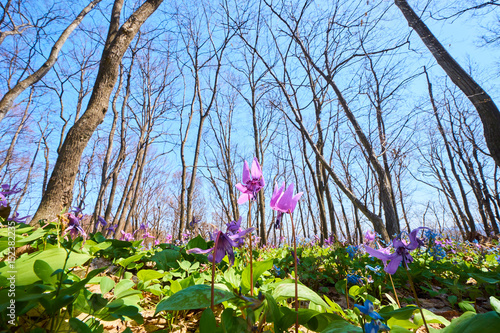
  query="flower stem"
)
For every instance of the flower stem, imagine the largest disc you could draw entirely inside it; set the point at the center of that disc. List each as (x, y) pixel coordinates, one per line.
(249, 225)
(296, 275)
(212, 290)
(395, 292)
(416, 297)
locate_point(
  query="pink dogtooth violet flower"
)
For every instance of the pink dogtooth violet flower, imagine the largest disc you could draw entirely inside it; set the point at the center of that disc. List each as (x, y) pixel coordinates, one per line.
(284, 202)
(252, 181)
(401, 252)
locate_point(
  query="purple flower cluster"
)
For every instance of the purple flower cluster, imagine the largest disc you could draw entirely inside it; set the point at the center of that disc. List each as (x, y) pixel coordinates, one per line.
(401, 252)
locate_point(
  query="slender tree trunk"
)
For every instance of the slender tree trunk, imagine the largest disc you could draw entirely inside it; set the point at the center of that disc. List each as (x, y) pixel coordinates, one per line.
(8, 99)
(486, 108)
(59, 193)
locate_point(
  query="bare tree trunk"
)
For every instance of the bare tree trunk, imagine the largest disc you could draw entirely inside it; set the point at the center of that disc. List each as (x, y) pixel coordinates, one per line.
(59, 192)
(9, 98)
(486, 108)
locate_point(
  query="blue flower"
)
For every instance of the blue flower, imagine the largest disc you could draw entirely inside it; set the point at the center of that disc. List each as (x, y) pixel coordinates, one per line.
(351, 251)
(375, 325)
(368, 310)
(354, 279)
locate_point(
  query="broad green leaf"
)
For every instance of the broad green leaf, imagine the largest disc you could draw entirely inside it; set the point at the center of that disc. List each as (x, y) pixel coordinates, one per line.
(106, 284)
(399, 329)
(44, 272)
(232, 278)
(123, 287)
(175, 286)
(430, 318)
(55, 257)
(79, 326)
(405, 323)
(166, 259)
(232, 323)
(198, 242)
(287, 290)
(149, 274)
(207, 322)
(490, 278)
(194, 297)
(259, 267)
(495, 303)
(469, 322)
(400, 314)
(467, 306)
(124, 262)
(341, 326)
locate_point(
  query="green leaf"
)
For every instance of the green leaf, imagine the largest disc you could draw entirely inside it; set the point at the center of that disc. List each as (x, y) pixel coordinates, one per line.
(79, 326)
(44, 272)
(194, 297)
(469, 322)
(106, 284)
(166, 259)
(495, 303)
(207, 322)
(466, 306)
(232, 323)
(123, 287)
(124, 262)
(334, 306)
(453, 300)
(198, 242)
(400, 314)
(287, 290)
(175, 286)
(259, 267)
(149, 274)
(341, 326)
(55, 257)
(485, 278)
(430, 318)
(399, 329)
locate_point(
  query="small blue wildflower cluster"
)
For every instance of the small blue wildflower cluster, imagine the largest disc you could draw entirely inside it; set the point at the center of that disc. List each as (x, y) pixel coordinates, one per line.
(376, 323)
(351, 251)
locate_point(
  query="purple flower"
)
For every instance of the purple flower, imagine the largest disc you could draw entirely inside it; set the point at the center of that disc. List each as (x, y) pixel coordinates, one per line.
(74, 227)
(251, 182)
(401, 252)
(147, 235)
(5, 192)
(368, 310)
(234, 227)
(15, 217)
(193, 223)
(224, 244)
(369, 236)
(101, 221)
(168, 239)
(284, 202)
(157, 242)
(111, 229)
(126, 236)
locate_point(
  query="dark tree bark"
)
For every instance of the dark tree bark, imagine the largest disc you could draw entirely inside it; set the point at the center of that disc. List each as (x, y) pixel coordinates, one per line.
(486, 108)
(9, 97)
(59, 193)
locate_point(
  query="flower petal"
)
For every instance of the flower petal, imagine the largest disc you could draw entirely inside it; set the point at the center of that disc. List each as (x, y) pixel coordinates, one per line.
(392, 267)
(246, 173)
